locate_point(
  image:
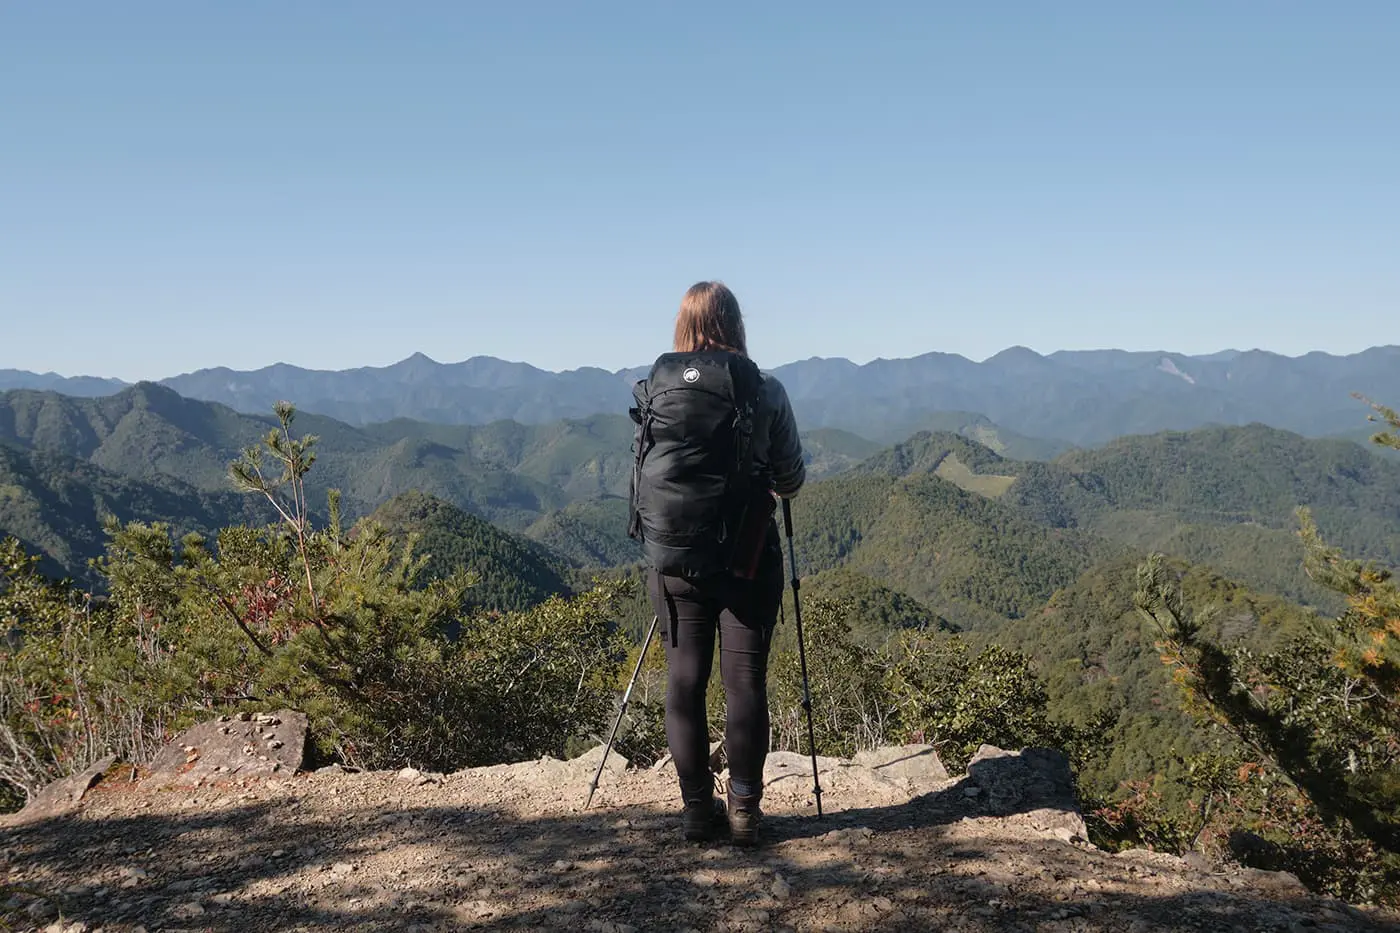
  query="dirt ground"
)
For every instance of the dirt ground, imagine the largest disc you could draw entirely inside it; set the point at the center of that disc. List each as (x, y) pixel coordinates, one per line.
(511, 847)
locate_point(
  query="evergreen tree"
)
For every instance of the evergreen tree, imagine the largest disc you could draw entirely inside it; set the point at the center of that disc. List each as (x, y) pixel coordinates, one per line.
(1323, 709)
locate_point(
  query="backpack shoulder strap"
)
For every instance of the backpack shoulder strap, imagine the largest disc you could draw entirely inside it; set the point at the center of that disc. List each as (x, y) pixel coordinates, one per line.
(640, 413)
(748, 387)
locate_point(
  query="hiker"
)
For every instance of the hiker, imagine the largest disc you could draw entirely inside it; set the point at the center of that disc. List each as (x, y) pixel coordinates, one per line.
(716, 441)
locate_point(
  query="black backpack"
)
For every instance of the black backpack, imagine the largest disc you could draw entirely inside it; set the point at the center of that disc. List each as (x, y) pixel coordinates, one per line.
(694, 459)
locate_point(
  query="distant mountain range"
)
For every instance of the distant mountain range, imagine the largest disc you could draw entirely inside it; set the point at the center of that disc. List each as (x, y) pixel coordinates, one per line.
(1042, 403)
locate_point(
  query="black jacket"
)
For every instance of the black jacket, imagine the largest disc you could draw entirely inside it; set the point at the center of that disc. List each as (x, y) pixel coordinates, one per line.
(777, 448)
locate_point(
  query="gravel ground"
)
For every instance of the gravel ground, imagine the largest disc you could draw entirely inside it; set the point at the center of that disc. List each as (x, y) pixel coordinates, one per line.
(511, 847)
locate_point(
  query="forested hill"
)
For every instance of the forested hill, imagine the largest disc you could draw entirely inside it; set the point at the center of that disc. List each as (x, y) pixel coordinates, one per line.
(976, 534)
(510, 572)
(1097, 656)
(55, 506)
(1218, 495)
(971, 559)
(1222, 496)
(509, 473)
(1246, 474)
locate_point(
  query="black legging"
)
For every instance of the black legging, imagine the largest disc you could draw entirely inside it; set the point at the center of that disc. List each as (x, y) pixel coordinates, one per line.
(745, 613)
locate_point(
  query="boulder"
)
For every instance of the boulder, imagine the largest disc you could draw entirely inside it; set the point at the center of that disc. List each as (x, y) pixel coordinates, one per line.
(566, 776)
(587, 763)
(917, 766)
(1033, 786)
(63, 795)
(241, 746)
(784, 768)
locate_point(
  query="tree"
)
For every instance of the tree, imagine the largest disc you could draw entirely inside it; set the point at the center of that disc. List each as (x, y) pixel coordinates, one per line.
(1323, 710)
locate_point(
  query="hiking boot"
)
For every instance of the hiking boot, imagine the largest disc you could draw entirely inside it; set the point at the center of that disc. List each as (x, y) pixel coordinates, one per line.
(703, 819)
(744, 817)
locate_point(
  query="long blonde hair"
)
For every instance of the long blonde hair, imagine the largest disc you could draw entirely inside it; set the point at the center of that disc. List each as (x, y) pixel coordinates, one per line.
(709, 319)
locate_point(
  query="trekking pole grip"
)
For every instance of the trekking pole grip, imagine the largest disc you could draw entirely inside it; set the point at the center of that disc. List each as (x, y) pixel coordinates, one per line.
(787, 517)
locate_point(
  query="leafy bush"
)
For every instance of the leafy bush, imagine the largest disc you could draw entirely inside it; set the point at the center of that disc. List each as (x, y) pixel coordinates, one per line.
(852, 705)
(78, 680)
(923, 685)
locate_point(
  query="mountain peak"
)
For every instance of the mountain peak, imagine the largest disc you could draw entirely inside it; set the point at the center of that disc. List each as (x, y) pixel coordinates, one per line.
(419, 365)
(1016, 351)
(152, 395)
(1018, 359)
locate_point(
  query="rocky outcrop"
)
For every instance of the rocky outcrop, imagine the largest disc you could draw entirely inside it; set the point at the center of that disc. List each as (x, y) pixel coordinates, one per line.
(1033, 787)
(917, 765)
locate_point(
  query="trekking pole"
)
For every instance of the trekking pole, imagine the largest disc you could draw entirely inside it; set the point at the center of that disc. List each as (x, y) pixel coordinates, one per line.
(626, 696)
(802, 655)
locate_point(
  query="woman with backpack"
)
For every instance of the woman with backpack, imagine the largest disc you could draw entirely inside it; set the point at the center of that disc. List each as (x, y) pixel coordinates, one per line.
(716, 440)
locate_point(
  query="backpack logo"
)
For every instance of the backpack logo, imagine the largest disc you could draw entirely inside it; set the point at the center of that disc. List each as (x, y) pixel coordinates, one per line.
(691, 374)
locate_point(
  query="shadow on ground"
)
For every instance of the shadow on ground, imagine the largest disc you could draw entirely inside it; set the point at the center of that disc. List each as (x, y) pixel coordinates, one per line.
(303, 860)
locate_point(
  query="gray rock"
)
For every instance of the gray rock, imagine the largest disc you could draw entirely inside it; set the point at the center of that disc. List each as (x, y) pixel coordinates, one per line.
(1275, 881)
(42, 909)
(917, 764)
(216, 750)
(587, 763)
(63, 795)
(1197, 862)
(1018, 781)
(133, 875)
(188, 911)
(1034, 786)
(59, 926)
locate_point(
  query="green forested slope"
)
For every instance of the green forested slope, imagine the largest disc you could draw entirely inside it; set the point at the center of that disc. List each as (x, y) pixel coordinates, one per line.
(588, 533)
(512, 572)
(1225, 497)
(877, 609)
(56, 505)
(1234, 476)
(1096, 654)
(970, 559)
(508, 473)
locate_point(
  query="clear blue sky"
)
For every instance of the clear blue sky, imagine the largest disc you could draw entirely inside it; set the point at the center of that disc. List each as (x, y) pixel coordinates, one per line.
(185, 184)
